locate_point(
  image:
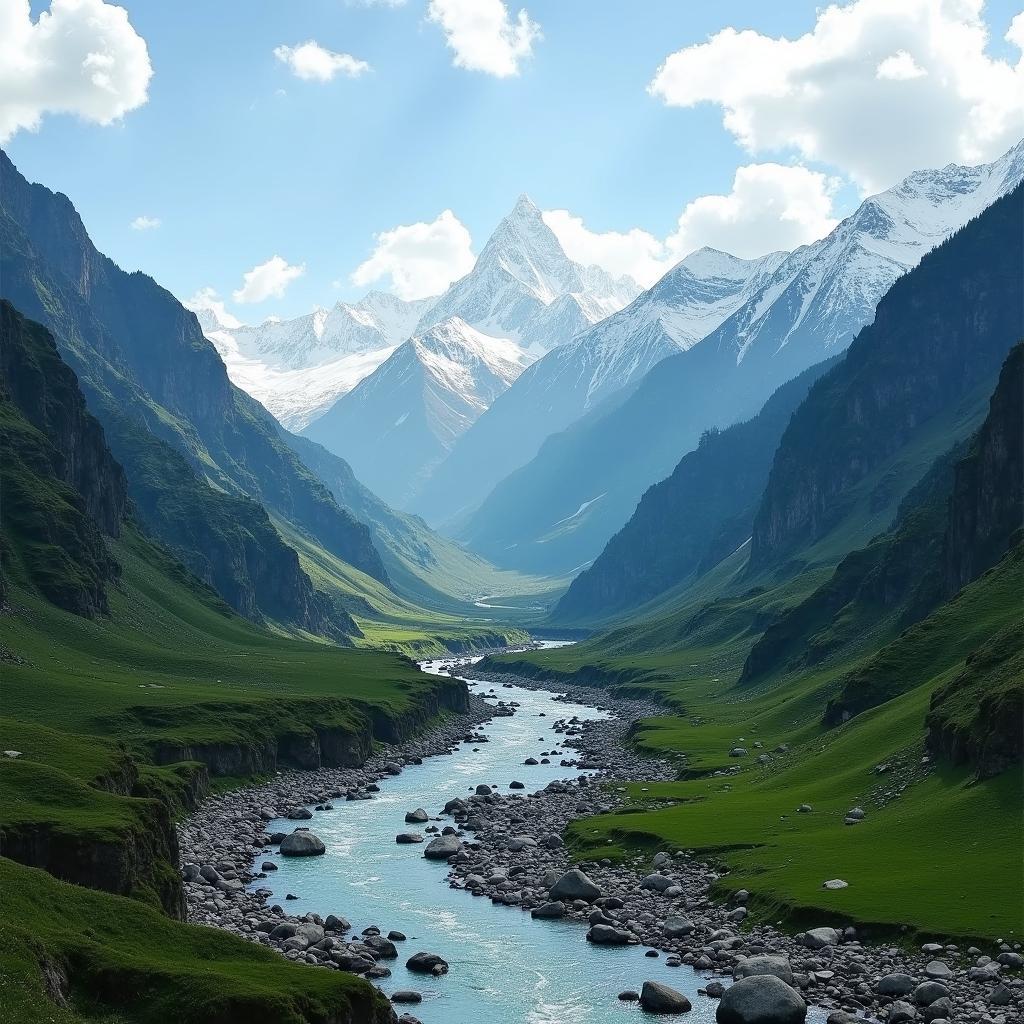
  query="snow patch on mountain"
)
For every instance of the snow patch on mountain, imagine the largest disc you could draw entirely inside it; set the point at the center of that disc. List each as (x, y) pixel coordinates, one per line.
(521, 273)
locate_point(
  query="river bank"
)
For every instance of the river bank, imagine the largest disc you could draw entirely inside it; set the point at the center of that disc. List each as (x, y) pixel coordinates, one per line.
(509, 852)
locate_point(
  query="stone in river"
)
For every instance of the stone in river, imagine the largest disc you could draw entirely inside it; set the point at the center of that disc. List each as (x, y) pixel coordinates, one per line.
(302, 844)
(483, 790)
(408, 837)
(514, 784)
(427, 963)
(336, 923)
(629, 996)
(574, 885)
(268, 865)
(762, 999)
(442, 847)
(555, 909)
(608, 935)
(406, 996)
(658, 998)
(417, 817)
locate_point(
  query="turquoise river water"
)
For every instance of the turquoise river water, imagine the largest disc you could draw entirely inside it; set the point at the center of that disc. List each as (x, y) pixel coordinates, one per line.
(505, 966)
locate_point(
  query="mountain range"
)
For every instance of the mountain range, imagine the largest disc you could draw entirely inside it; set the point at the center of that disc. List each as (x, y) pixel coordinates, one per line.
(400, 421)
(680, 309)
(558, 511)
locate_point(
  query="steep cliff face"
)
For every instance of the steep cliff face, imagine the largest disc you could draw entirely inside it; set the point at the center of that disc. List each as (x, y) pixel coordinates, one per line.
(936, 589)
(692, 519)
(139, 354)
(987, 502)
(46, 391)
(227, 540)
(940, 332)
(61, 487)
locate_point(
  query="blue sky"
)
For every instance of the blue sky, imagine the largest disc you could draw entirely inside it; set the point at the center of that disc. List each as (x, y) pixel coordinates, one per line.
(240, 160)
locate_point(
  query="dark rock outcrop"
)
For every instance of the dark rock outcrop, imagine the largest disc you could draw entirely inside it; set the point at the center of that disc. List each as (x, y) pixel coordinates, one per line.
(939, 333)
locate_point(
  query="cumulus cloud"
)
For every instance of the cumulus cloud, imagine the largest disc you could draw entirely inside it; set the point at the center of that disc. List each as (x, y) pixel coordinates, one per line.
(636, 252)
(81, 57)
(268, 280)
(207, 298)
(144, 223)
(876, 89)
(769, 207)
(314, 63)
(483, 35)
(419, 259)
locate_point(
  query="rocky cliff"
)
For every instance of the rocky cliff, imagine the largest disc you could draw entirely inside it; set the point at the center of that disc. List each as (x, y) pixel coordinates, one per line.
(62, 488)
(141, 356)
(986, 507)
(940, 332)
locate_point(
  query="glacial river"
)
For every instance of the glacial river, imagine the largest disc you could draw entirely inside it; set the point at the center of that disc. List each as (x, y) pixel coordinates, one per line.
(506, 968)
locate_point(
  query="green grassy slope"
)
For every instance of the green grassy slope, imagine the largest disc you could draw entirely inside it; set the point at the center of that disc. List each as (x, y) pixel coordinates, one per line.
(939, 849)
(70, 954)
(119, 720)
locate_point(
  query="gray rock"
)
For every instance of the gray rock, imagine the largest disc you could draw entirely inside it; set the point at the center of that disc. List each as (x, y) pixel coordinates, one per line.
(738, 752)
(406, 996)
(1000, 996)
(268, 865)
(928, 991)
(442, 847)
(408, 838)
(658, 998)
(659, 883)
(757, 966)
(675, 927)
(336, 923)
(574, 885)
(608, 935)
(901, 1012)
(190, 873)
(895, 985)
(835, 883)
(715, 989)
(552, 910)
(763, 999)
(1012, 960)
(941, 1009)
(937, 969)
(302, 844)
(417, 817)
(818, 938)
(427, 963)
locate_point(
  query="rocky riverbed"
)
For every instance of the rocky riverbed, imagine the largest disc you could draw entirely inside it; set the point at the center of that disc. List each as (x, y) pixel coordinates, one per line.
(507, 848)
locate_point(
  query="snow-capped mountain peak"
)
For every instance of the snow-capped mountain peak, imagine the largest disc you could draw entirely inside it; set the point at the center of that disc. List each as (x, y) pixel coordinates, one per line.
(400, 421)
(522, 271)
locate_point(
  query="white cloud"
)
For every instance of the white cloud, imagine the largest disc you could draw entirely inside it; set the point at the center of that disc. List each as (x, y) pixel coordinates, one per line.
(900, 67)
(81, 57)
(312, 62)
(268, 280)
(207, 298)
(770, 207)
(876, 88)
(484, 36)
(635, 252)
(144, 223)
(420, 259)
